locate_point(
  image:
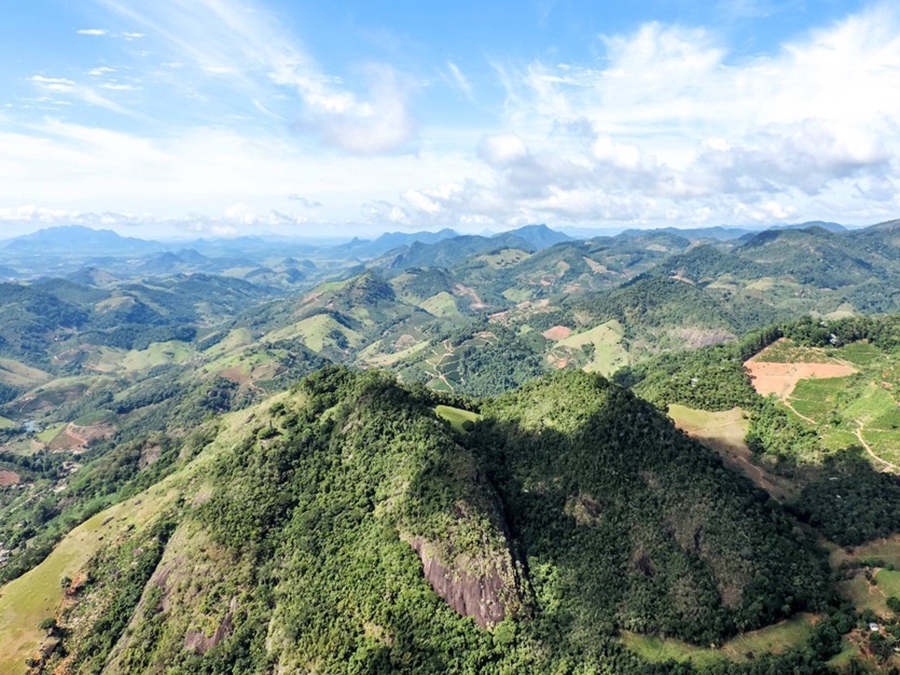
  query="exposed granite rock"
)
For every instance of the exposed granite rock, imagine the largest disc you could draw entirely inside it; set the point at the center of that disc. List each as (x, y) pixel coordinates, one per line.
(488, 588)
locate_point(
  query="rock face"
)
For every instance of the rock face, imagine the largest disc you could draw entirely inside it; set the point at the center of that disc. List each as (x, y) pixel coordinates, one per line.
(196, 641)
(488, 589)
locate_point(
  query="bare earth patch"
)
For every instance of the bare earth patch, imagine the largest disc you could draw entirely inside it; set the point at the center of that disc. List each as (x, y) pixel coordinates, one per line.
(76, 437)
(781, 378)
(557, 333)
(8, 478)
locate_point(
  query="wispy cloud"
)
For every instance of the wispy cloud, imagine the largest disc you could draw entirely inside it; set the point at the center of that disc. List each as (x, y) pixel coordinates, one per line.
(86, 94)
(244, 47)
(304, 201)
(460, 81)
(116, 86)
(93, 31)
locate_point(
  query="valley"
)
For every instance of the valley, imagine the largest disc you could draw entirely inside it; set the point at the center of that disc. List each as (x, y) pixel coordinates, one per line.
(445, 415)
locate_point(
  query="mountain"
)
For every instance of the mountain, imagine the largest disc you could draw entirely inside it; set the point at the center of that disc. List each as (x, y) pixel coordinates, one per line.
(719, 232)
(70, 239)
(539, 236)
(391, 240)
(397, 542)
(830, 227)
(449, 252)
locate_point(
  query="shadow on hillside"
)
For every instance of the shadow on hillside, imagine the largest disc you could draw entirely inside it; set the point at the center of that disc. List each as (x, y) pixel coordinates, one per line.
(626, 523)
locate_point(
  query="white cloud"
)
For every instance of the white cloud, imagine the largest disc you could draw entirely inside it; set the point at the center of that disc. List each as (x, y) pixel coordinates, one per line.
(240, 44)
(668, 126)
(672, 126)
(59, 165)
(115, 86)
(93, 31)
(380, 124)
(65, 86)
(305, 201)
(502, 149)
(461, 81)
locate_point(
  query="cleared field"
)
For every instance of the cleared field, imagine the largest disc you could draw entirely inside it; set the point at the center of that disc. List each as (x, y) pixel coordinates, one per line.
(860, 353)
(606, 339)
(8, 478)
(724, 432)
(17, 374)
(157, 354)
(864, 595)
(785, 351)
(441, 304)
(781, 378)
(518, 294)
(456, 416)
(56, 393)
(6, 423)
(236, 339)
(106, 359)
(887, 550)
(315, 332)
(771, 640)
(557, 333)
(504, 258)
(49, 435)
(384, 360)
(888, 582)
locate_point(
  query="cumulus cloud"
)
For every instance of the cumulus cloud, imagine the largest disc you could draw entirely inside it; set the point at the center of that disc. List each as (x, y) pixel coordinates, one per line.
(672, 127)
(502, 150)
(380, 123)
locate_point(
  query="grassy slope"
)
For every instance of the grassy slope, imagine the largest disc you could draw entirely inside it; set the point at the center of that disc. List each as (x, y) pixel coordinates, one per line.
(28, 600)
(770, 640)
(609, 354)
(17, 374)
(35, 596)
(314, 331)
(455, 416)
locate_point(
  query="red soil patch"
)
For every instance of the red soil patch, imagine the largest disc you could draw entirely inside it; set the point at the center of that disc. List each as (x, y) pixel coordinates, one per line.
(236, 374)
(557, 333)
(76, 437)
(781, 378)
(8, 478)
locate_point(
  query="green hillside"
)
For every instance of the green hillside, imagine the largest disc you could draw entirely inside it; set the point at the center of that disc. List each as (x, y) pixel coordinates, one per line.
(523, 541)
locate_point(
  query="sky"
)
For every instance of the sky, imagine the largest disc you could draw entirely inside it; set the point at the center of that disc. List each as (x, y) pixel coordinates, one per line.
(184, 118)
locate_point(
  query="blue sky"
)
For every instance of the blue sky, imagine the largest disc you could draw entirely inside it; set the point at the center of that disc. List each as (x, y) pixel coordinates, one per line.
(179, 118)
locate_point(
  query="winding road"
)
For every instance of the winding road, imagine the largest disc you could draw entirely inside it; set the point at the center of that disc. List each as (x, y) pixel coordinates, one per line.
(862, 440)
